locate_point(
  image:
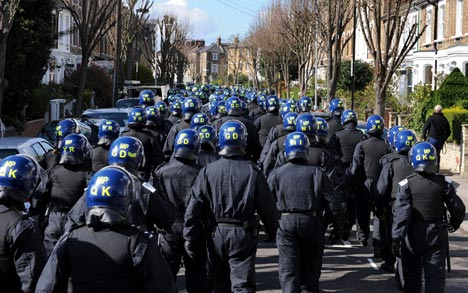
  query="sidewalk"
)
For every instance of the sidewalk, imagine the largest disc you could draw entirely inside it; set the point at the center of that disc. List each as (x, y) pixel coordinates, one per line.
(461, 183)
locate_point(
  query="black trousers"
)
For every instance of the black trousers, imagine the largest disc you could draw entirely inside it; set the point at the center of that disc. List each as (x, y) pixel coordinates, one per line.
(300, 245)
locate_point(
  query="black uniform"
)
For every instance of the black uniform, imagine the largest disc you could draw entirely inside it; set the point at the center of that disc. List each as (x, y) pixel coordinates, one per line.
(253, 147)
(254, 114)
(264, 124)
(334, 125)
(228, 192)
(50, 159)
(366, 169)
(395, 168)
(206, 156)
(171, 136)
(151, 148)
(302, 191)
(157, 134)
(344, 143)
(276, 148)
(420, 225)
(176, 179)
(173, 119)
(273, 135)
(66, 185)
(100, 156)
(22, 253)
(151, 209)
(115, 258)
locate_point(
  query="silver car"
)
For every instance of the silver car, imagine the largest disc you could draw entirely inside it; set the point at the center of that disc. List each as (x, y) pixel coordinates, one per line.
(36, 147)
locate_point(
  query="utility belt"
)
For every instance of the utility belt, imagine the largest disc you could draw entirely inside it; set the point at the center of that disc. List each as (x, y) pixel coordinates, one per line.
(55, 207)
(313, 213)
(236, 222)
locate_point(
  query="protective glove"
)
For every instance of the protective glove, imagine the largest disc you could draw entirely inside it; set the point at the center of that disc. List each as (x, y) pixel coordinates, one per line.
(190, 249)
(396, 248)
(452, 228)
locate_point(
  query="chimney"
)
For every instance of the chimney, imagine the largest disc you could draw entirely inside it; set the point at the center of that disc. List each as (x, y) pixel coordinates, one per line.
(218, 41)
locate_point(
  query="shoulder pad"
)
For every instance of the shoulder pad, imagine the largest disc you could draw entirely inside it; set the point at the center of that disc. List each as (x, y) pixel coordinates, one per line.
(403, 182)
(149, 187)
(160, 166)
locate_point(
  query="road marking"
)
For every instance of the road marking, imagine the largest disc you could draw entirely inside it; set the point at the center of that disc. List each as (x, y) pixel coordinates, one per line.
(372, 263)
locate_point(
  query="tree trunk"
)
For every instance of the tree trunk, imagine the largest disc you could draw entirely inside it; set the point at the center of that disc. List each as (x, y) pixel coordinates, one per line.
(380, 97)
(3, 81)
(302, 79)
(81, 86)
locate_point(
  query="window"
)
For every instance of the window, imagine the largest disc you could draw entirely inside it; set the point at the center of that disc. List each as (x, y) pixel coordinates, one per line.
(441, 24)
(214, 56)
(429, 26)
(38, 149)
(459, 18)
(214, 68)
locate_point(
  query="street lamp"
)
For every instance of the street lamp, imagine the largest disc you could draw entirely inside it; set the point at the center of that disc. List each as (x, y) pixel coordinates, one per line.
(117, 52)
(143, 11)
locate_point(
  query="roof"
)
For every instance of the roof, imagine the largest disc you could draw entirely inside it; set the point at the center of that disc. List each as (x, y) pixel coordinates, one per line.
(16, 141)
(214, 48)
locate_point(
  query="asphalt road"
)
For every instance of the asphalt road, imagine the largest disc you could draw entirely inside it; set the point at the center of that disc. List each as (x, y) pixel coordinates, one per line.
(351, 269)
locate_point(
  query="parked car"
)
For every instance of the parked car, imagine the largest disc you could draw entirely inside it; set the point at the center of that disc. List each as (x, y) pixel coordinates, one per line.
(119, 115)
(127, 103)
(36, 147)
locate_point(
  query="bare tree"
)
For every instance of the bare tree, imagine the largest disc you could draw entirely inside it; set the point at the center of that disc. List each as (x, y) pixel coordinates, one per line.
(171, 57)
(389, 36)
(8, 10)
(298, 26)
(333, 16)
(93, 20)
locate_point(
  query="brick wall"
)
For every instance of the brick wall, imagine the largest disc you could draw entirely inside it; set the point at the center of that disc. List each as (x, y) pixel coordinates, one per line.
(32, 127)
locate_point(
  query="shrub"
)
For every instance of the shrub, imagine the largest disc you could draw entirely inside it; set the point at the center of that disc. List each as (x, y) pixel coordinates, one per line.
(462, 104)
(456, 116)
(453, 89)
(421, 99)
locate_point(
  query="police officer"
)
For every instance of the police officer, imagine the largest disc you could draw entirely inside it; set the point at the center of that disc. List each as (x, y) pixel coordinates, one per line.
(107, 254)
(305, 104)
(344, 143)
(109, 130)
(22, 253)
(136, 128)
(176, 179)
(268, 120)
(176, 112)
(277, 131)
(301, 190)
(420, 221)
(149, 208)
(366, 169)
(334, 122)
(231, 205)
(260, 110)
(155, 124)
(208, 140)
(277, 147)
(67, 181)
(235, 112)
(190, 107)
(198, 120)
(395, 168)
(391, 135)
(146, 98)
(52, 157)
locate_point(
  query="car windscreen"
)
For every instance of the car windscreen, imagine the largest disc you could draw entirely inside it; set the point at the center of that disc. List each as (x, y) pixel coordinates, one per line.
(8, 152)
(120, 118)
(127, 103)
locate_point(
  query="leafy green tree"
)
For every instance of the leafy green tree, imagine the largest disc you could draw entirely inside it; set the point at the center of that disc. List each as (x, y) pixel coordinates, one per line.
(363, 71)
(28, 51)
(453, 89)
(145, 76)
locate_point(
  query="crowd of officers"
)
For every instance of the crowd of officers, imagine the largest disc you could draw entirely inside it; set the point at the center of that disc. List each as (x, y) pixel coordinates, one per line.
(191, 183)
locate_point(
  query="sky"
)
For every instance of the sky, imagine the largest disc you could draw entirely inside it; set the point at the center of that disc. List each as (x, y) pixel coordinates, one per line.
(213, 18)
